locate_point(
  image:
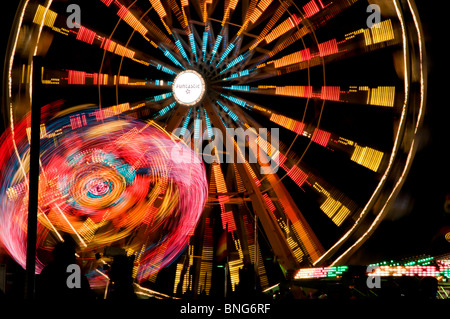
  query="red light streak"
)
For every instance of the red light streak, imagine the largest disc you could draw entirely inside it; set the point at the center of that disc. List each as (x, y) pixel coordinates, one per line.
(321, 137)
(86, 35)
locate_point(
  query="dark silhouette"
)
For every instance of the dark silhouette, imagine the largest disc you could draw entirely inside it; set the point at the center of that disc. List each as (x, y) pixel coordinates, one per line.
(121, 278)
(428, 288)
(52, 282)
(246, 286)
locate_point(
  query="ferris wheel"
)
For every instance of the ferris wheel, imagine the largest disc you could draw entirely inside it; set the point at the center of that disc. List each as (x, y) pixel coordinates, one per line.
(298, 118)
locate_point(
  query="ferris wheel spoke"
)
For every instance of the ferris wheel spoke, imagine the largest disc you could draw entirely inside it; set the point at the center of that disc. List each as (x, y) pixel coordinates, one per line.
(304, 234)
(276, 238)
(374, 38)
(335, 204)
(88, 36)
(147, 29)
(366, 156)
(380, 96)
(84, 79)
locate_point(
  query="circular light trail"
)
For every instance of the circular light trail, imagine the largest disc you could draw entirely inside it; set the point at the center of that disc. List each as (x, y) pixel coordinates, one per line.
(113, 183)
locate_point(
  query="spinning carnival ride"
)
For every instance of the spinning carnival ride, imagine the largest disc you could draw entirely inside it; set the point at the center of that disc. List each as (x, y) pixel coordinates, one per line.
(330, 105)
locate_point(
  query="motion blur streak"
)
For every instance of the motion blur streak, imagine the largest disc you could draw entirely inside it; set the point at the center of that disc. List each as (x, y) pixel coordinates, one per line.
(110, 182)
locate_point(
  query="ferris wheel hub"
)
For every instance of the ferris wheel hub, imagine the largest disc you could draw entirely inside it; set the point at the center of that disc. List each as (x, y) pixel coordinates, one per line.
(188, 88)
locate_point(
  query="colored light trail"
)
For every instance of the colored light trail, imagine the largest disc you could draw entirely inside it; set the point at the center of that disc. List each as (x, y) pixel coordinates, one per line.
(103, 189)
